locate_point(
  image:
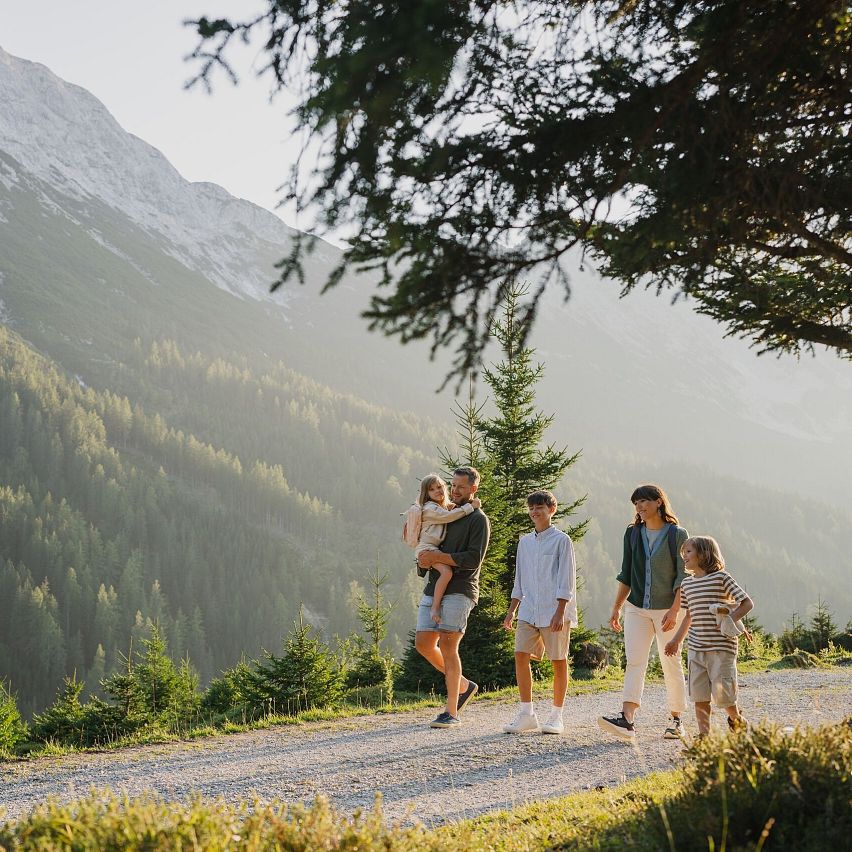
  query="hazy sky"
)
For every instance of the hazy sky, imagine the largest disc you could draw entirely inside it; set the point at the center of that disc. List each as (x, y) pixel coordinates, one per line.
(131, 57)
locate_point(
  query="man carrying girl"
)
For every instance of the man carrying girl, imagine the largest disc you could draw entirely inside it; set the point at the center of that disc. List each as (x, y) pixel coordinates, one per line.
(463, 550)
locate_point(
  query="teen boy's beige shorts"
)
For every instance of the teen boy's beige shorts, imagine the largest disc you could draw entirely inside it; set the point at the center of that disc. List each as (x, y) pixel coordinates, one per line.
(535, 641)
(713, 674)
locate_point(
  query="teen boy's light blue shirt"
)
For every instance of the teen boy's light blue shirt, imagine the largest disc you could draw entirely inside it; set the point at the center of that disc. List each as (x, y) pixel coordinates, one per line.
(544, 572)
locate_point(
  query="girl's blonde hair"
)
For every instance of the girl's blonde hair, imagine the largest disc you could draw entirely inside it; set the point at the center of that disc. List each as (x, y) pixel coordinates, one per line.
(426, 483)
(708, 552)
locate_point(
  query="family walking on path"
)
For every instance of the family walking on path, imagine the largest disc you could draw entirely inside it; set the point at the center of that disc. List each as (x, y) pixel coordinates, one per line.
(670, 587)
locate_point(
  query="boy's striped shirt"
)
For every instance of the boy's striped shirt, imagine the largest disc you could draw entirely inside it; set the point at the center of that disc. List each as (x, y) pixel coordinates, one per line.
(697, 593)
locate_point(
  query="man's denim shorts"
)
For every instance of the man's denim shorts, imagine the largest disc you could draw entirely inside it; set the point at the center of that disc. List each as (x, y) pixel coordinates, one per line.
(455, 610)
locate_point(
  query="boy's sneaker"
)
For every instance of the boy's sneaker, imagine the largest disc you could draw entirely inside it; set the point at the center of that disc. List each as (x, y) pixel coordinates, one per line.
(618, 726)
(554, 723)
(445, 720)
(465, 696)
(521, 723)
(674, 729)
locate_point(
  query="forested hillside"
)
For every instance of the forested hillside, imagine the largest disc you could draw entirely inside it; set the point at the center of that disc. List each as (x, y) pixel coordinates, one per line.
(218, 498)
(110, 516)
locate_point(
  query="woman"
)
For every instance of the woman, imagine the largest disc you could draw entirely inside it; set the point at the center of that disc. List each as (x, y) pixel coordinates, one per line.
(649, 590)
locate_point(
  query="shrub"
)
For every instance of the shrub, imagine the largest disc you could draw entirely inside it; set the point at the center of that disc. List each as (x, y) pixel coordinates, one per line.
(795, 637)
(614, 643)
(792, 785)
(230, 693)
(150, 690)
(12, 727)
(763, 645)
(65, 720)
(104, 820)
(590, 655)
(372, 669)
(844, 638)
(304, 677)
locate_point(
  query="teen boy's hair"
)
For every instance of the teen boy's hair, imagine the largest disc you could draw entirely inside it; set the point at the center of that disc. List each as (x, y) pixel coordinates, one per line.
(470, 472)
(708, 552)
(541, 497)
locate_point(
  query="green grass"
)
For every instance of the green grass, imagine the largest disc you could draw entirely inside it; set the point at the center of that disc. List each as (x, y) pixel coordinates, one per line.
(625, 817)
(764, 789)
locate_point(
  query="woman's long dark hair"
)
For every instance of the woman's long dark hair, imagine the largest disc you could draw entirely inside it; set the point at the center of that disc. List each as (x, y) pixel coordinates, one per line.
(654, 492)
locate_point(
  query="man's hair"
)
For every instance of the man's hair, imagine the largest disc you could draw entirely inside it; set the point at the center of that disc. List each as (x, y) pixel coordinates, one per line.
(542, 497)
(470, 472)
(708, 552)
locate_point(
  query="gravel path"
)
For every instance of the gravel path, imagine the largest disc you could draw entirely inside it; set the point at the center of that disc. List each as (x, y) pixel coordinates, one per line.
(425, 774)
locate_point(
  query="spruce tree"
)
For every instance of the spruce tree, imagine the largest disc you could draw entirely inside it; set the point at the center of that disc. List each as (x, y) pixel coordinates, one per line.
(507, 450)
(512, 437)
(487, 650)
(823, 626)
(373, 667)
(305, 676)
(12, 728)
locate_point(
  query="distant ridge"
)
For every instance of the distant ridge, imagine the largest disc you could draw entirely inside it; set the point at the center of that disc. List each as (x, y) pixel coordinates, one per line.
(67, 166)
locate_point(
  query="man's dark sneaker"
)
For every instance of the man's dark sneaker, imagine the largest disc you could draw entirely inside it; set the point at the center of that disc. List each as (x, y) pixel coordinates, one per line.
(465, 696)
(445, 720)
(618, 726)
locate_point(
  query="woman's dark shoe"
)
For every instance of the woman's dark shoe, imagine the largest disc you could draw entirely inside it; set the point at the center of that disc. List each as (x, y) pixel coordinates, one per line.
(618, 726)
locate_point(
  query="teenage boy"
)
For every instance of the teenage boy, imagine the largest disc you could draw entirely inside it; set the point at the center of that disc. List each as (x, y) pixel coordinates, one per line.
(545, 599)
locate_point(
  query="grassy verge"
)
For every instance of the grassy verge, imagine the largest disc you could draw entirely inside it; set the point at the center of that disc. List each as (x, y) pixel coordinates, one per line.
(765, 789)
(357, 703)
(371, 701)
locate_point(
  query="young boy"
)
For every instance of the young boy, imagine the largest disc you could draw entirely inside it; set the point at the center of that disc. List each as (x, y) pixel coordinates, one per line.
(714, 603)
(545, 599)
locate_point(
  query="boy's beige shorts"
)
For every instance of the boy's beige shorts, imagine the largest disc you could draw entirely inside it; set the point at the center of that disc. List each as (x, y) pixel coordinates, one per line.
(713, 674)
(536, 641)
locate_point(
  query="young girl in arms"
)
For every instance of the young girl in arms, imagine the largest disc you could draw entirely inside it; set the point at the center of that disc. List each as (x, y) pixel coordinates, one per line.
(436, 512)
(714, 603)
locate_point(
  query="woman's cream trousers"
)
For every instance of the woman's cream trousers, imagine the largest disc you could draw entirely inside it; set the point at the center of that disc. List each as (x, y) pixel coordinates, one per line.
(640, 627)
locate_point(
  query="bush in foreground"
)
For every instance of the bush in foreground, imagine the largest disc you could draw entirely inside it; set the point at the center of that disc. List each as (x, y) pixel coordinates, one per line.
(104, 820)
(794, 786)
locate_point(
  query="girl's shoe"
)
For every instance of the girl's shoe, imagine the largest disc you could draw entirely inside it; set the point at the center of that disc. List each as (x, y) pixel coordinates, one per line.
(674, 729)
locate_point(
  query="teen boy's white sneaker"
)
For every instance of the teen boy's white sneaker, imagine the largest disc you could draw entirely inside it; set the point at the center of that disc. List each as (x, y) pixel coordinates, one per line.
(554, 723)
(521, 723)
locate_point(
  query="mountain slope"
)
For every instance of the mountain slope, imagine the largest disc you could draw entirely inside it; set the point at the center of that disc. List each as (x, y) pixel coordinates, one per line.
(175, 442)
